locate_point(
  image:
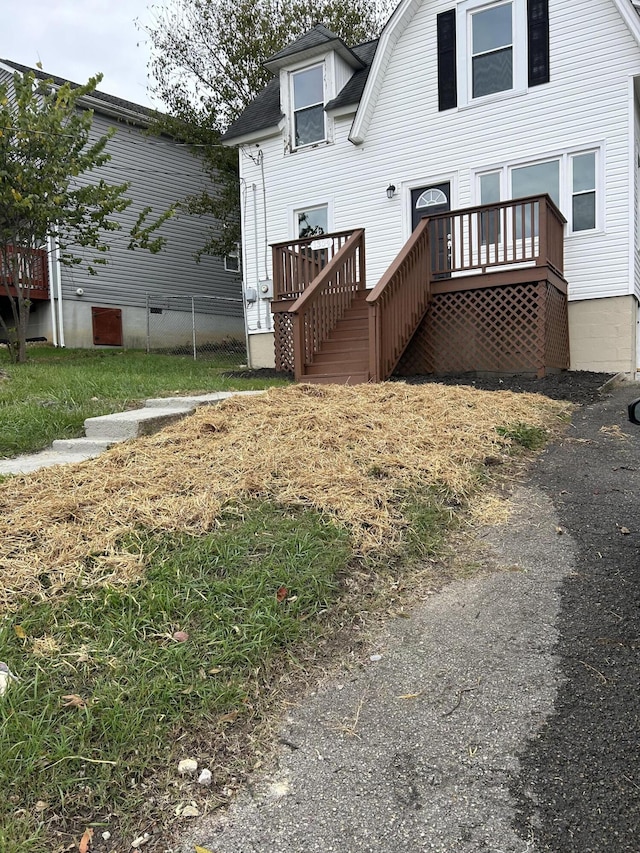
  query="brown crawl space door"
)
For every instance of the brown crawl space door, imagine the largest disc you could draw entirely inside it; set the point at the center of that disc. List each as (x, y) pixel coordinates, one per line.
(107, 326)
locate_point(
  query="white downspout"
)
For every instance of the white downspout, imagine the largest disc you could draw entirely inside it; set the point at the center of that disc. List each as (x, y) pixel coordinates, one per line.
(52, 300)
(58, 270)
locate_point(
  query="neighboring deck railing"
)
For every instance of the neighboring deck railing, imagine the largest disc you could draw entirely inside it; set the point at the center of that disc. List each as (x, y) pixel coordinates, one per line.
(398, 302)
(297, 262)
(322, 304)
(33, 276)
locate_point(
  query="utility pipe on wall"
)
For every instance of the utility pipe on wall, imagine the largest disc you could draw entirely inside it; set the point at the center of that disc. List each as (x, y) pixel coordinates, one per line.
(255, 248)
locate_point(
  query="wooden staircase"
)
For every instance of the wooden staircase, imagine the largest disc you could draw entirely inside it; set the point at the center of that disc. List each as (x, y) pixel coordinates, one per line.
(344, 357)
(329, 328)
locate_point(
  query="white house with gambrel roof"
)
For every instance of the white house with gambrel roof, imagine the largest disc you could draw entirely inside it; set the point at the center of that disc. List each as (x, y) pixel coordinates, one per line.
(458, 105)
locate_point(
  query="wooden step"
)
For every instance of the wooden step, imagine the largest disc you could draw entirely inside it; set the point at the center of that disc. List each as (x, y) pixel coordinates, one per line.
(345, 344)
(353, 378)
(344, 330)
(359, 311)
(357, 365)
(345, 356)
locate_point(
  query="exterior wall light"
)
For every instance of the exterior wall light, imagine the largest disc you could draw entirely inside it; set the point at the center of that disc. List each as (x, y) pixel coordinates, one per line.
(391, 191)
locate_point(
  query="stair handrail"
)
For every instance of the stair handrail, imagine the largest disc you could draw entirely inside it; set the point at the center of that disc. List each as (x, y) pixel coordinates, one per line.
(294, 269)
(320, 307)
(398, 302)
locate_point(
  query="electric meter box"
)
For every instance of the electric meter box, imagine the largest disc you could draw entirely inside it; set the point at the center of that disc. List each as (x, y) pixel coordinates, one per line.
(265, 289)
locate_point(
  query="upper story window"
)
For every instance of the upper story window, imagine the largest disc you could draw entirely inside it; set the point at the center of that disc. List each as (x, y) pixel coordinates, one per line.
(492, 50)
(486, 49)
(307, 98)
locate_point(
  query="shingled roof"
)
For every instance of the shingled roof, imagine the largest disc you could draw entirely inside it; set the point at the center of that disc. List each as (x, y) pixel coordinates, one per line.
(265, 111)
(111, 103)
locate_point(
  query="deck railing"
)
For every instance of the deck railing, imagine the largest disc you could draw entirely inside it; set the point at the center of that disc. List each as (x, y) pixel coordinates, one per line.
(524, 231)
(398, 302)
(489, 238)
(297, 262)
(33, 276)
(321, 306)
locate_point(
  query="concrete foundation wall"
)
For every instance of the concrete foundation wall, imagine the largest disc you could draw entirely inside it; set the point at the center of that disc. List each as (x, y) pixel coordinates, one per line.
(169, 329)
(262, 350)
(602, 334)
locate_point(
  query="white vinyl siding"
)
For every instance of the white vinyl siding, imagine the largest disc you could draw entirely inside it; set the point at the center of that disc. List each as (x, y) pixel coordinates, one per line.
(410, 144)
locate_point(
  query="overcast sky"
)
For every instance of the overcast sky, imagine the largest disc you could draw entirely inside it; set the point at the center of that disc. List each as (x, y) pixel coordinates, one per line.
(77, 38)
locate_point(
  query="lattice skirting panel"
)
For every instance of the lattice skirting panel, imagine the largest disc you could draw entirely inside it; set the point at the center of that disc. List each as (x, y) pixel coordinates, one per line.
(283, 339)
(508, 329)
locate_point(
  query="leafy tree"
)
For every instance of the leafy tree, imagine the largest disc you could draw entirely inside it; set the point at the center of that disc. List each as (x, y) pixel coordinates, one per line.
(46, 155)
(207, 63)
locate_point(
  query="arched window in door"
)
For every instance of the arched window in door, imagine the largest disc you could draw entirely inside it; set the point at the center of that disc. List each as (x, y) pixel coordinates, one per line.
(431, 198)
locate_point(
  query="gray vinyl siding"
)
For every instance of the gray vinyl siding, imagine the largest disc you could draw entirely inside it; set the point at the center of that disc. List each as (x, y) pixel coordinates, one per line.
(159, 172)
(6, 79)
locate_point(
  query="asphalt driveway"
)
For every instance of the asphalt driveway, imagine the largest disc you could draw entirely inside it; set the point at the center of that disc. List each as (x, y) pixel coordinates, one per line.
(579, 785)
(503, 715)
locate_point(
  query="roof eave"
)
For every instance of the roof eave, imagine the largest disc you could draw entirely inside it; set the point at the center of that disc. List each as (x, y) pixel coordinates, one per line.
(253, 136)
(630, 15)
(275, 65)
(342, 110)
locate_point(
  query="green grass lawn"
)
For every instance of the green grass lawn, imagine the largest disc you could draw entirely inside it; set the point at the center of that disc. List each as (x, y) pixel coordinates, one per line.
(108, 693)
(51, 395)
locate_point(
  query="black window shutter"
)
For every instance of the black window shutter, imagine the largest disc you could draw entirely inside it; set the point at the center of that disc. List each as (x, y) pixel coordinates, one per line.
(447, 77)
(538, 41)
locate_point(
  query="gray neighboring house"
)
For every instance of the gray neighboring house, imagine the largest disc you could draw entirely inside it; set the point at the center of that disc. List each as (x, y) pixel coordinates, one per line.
(138, 291)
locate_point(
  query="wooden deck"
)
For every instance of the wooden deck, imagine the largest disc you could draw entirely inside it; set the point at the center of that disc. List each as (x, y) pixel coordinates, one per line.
(474, 290)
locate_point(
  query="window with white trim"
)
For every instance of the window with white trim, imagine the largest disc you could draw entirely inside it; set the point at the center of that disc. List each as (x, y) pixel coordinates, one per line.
(312, 221)
(232, 262)
(489, 193)
(307, 100)
(491, 50)
(571, 179)
(583, 191)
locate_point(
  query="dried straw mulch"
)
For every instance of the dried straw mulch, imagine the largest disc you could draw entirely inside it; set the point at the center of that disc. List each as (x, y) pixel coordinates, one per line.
(348, 451)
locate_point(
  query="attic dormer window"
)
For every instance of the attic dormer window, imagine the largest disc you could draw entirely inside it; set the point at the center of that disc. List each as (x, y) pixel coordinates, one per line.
(307, 94)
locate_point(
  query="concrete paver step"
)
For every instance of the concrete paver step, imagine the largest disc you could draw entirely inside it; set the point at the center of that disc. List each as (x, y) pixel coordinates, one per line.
(82, 445)
(105, 431)
(194, 401)
(132, 424)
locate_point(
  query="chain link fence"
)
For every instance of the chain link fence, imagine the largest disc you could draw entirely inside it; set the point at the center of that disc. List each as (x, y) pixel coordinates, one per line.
(204, 327)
